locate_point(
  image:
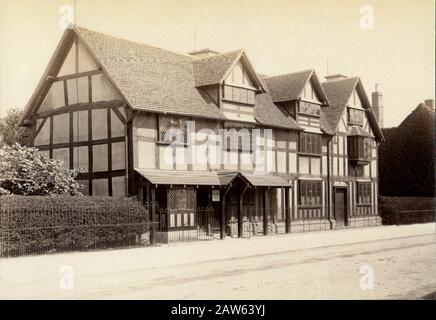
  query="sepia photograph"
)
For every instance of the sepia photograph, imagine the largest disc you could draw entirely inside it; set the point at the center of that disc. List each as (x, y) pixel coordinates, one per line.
(217, 154)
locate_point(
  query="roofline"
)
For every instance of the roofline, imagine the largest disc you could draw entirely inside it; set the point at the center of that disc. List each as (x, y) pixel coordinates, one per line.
(368, 107)
(288, 73)
(250, 67)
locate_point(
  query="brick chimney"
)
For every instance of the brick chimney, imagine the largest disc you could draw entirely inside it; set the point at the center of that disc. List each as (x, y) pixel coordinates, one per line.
(203, 53)
(377, 105)
(335, 77)
(430, 103)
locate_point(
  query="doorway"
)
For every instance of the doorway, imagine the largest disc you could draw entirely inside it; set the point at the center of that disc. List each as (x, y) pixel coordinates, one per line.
(340, 207)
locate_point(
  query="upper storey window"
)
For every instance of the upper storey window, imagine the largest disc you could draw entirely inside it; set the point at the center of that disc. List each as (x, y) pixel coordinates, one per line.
(308, 108)
(309, 143)
(359, 149)
(237, 94)
(238, 86)
(355, 116)
(172, 129)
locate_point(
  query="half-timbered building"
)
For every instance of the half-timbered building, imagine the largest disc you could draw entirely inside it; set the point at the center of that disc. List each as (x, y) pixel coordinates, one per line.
(204, 130)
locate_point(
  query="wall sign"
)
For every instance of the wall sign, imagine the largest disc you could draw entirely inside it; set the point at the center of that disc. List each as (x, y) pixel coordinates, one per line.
(215, 195)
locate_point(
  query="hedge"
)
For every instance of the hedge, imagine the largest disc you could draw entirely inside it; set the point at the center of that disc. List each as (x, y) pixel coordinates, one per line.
(407, 210)
(43, 224)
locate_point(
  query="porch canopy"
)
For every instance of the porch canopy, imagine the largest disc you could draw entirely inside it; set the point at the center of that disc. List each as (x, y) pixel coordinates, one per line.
(209, 178)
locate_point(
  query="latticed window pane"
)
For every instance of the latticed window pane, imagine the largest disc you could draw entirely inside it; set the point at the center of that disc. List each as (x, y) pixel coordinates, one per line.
(355, 116)
(310, 143)
(364, 193)
(172, 129)
(181, 206)
(310, 193)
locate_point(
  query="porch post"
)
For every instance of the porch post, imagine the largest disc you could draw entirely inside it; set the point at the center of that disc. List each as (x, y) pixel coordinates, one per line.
(240, 206)
(223, 214)
(239, 215)
(153, 212)
(287, 210)
(265, 215)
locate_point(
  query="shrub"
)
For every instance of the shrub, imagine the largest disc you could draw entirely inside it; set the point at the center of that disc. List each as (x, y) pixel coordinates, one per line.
(406, 210)
(25, 171)
(40, 224)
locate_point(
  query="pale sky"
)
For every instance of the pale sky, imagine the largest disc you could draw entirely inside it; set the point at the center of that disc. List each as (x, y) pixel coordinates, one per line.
(280, 36)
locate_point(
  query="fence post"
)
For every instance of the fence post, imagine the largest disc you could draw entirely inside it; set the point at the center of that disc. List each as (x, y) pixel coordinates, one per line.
(152, 213)
(265, 214)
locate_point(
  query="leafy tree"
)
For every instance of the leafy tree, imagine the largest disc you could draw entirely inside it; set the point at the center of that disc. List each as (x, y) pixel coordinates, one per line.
(25, 171)
(10, 131)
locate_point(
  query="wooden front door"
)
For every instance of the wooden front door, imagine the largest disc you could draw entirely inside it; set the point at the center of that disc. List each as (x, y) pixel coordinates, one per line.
(341, 207)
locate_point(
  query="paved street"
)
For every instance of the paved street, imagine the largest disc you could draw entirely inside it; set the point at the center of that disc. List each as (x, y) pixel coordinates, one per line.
(373, 263)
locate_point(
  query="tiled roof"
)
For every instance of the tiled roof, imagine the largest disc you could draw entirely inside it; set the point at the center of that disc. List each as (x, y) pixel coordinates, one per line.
(339, 92)
(287, 87)
(358, 131)
(211, 70)
(150, 78)
(157, 80)
(266, 112)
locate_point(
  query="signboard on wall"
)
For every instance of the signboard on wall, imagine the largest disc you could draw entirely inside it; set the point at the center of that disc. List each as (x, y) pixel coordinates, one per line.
(215, 195)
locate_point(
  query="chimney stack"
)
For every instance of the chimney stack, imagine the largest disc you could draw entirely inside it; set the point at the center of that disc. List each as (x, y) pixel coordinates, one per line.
(203, 53)
(377, 105)
(430, 103)
(335, 77)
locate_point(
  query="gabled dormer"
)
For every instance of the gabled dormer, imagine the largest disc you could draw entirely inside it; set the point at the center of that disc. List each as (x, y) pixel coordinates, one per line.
(351, 116)
(230, 80)
(300, 96)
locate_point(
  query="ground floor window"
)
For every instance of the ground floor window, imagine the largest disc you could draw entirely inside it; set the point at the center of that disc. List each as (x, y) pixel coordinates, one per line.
(310, 193)
(181, 207)
(364, 193)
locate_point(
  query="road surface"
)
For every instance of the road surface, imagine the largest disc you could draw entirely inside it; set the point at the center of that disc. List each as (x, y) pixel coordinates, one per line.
(372, 263)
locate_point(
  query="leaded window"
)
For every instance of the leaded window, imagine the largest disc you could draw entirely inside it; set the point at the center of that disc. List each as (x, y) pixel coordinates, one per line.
(241, 95)
(308, 108)
(181, 207)
(172, 129)
(363, 193)
(355, 116)
(359, 148)
(310, 193)
(309, 143)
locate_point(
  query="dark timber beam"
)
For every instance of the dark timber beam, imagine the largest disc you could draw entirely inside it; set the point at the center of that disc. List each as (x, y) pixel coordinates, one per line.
(287, 210)
(76, 75)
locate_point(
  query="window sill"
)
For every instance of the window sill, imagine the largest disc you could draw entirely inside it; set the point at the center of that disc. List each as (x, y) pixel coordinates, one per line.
(239, 102)
(307, 206)
(175, 144)
(310, 154)
(309, 114)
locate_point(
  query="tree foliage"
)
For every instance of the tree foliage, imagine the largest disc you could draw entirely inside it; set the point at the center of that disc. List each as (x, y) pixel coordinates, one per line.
(25, 171)
(406, 158)
(10, 131)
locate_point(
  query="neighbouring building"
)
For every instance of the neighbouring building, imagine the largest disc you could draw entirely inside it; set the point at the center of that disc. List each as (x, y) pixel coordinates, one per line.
(407, 157)
(204, 130)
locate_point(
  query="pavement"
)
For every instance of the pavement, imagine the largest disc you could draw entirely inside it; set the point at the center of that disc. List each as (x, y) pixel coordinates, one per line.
(385, 262)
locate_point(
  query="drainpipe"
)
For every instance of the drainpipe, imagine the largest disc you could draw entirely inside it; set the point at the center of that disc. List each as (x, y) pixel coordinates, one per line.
(328, 183)
(240, 211)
